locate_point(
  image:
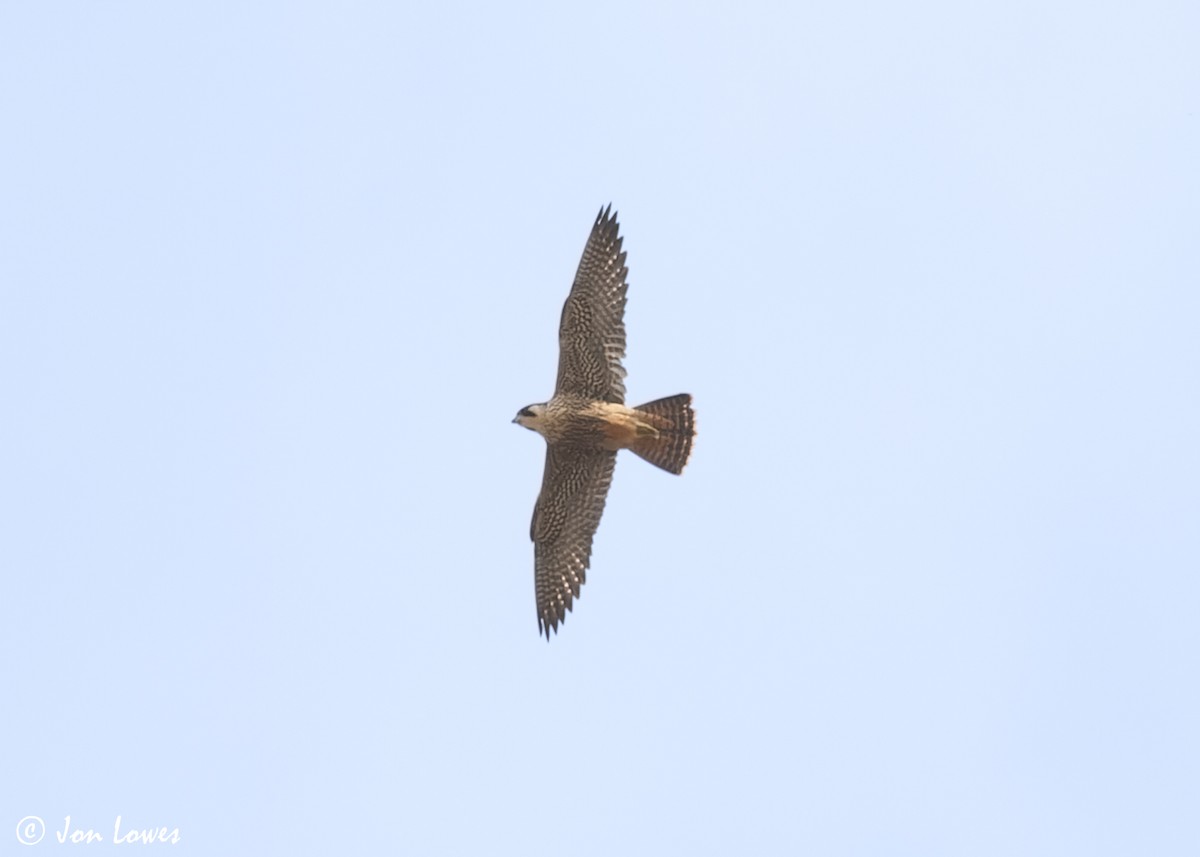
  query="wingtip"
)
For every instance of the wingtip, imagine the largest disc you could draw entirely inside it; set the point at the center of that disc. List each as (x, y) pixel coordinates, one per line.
(552, 617)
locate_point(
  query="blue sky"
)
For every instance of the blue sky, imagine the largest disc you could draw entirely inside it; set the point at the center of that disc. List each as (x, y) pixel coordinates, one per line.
(274, 279)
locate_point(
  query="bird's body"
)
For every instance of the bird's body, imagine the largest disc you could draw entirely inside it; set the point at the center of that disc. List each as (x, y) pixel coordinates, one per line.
(576, 421)
(586, 422)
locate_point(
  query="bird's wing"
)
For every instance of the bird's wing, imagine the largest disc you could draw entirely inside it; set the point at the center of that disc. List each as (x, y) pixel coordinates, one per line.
(591, 335)
(565, 518)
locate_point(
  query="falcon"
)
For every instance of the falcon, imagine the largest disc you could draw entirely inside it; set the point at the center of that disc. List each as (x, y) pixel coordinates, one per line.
(587, 421)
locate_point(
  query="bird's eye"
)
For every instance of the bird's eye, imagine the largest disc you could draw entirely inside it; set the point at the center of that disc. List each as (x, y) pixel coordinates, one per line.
(525, 412)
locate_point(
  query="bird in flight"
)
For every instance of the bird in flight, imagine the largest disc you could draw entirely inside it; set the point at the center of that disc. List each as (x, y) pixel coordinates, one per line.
(586, 422)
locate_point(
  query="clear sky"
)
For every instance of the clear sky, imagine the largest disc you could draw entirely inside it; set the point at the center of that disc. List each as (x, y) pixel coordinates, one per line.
(275, 278)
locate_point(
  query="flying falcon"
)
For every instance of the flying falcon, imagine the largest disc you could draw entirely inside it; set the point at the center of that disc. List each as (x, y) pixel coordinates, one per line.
(586, 422)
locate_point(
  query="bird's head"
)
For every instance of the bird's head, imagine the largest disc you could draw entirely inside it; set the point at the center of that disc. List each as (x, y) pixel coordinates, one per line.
(530, 416)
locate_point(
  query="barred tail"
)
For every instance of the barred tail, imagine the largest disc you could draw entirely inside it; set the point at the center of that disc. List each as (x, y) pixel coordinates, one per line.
(676, 425)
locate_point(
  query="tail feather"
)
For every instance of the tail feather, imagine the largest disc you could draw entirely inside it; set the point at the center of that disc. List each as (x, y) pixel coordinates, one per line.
(675, 423)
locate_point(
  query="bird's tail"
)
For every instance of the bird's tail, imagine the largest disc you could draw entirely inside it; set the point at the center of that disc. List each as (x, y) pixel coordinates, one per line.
(674, 423)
